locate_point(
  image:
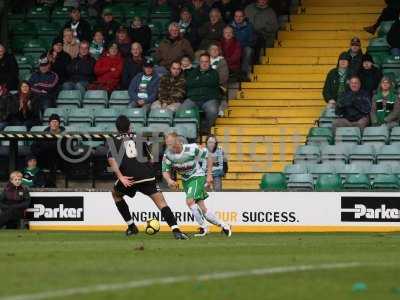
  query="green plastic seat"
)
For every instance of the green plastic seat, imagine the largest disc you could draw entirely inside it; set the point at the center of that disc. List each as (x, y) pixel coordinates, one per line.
(300, 182)
(273, 182)
(24, 62)
(133, 11)
(362, 154)
(351, 169)
(119, 99)
(327, 117)
(375, 136)
(181, 130)
(160, 119)
(391, 62)
(92, 144)
(384, 28)
(80, 116)
(105, 116)
(389, 154)
(47, 31)
(40, 128)
(14, 129)
(69, 99)
(136, 115)
(295, 169)
(379, 44)
(161, 12)
(351, 135)
(329, 183)
(386, 182)
(357, 182)
(25, 74)
(395, 135)
(95, 99)
(25, 29)
(187, 119)
(34, 46)
(116, 11)
(320, 136)
(39, 13)
(321, 169)
(378, 169)
(61, 111)
(17, 44)
(307, 154)
(60, 14)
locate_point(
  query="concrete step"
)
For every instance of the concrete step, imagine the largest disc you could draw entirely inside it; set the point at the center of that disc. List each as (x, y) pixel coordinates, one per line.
(279, 95)
(347, 10)
(282, 85)
(291, 104)
(315, 43)
(323, 35)
(262, 130)
(305, 78)
(307, 60)
(366, 18)
(289, 69)
(267, 121)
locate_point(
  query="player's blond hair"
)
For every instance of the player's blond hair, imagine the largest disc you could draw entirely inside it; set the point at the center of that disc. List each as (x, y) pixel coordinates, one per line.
(14, 174)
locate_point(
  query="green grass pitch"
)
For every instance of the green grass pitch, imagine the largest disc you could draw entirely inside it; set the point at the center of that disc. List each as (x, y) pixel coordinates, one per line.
(33, 263)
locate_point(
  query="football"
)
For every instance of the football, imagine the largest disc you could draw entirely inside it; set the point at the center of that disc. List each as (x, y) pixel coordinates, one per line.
(152, 226)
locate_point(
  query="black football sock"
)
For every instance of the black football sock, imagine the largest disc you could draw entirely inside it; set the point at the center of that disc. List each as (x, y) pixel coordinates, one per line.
(124, 211)
(169, 217)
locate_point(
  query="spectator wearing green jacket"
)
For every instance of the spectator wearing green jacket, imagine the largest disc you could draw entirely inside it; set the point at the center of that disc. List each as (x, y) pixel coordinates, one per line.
(202, 91)
(336, 80)
(32, 175)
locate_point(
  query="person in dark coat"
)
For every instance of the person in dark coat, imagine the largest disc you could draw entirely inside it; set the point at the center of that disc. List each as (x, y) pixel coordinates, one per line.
(133, 65)
(227, 8)
(369, 74)
(356, 54)
(14, 199)
(189, 30)
(140, 33)
(33, 176)
(393, 37)
(8, 71)
(79, 26)
(59, 60)
(108, 26)
(211, 32)
(123, 41)
(389, 13)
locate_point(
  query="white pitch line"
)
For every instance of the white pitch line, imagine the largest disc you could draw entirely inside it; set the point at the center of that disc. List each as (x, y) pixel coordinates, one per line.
(177, 279)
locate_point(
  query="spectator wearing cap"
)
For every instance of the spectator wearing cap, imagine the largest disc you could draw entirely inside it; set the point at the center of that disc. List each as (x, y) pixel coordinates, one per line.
(231, 50)
(244, 33)
(211, 32)
(44, 83)
(369, 74)
(8, 71)
(108, 69)
(108, 26)
(97, 45)
(336, 80)
(393, 36)
(189, 30)
(59, 60)
(80, 70)
(143, 89)
(123, 41)
(32, 175)
(140, 33)
(385, 105)
(353, 107)
(23, 108)
(202, 91)
(172, 89)
(79, 26)
(173, 48)
(14, 199)
(70, 43)
(356, 54)
(133, 65)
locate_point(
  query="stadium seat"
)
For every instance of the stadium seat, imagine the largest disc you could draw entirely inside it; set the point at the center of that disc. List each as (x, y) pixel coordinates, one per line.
(95, 99)
(389, 154)
(391, 62)
(321, 169)
(301, 182)
(24, 62)
(105, 116)
(374, 170)
(362, 154)
(34, 47)
(327, 117)
(295, 169)
(17, 44)
(329, 183)
(80, 116)
(273, 182)
(47, 32)
(307, 155)
(106, 127)
(14, 129)
(91, 143)
(357, 182)
(189, 120)
(384, 28)
(60, 14)
(24, 74)
(24, 29)
(137, 116)
(38, 13)
(379, 44)
(351, 169)
(69, 99)
(182, 131)
(320, 136)
(161, 12)
(135, 10)
(386, 182)
(160, 119)
(38, 128)
(375, 136)
(119, 99)
(348, 135)
(61, 111)
(395, 135)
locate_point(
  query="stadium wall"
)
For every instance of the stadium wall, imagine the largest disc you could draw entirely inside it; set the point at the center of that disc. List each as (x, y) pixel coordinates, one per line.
(246, 212)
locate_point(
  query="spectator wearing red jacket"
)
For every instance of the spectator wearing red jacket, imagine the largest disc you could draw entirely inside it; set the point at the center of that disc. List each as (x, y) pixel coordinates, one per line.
(108, 69)
(231, 50)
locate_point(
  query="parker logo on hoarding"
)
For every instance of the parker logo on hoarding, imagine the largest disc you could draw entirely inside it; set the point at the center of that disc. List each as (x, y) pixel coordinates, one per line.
(57, 209)
(370, 209)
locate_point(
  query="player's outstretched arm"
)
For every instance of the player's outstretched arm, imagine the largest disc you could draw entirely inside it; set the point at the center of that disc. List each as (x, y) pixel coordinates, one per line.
(173, 185)
(125, 180)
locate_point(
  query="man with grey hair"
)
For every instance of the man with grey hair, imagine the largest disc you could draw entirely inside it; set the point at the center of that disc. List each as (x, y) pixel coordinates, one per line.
(173, 47)
(211, 32)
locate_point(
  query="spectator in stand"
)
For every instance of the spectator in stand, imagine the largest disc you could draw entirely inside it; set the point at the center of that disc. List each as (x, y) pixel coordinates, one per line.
(71, 44)
(108, 69)
(389, 13)
(13, 201)
(231, 50)
(385, 105)
(172, 89)
(172, 48)
(202, 91)
(140, 33)
(97, 45)
(356, 54)
(108, 26)
(44, 83)
(133, 65)
(220, 165)
(211, 32)
(282, 10)
(8, 71)
(336, 80)
(370, 75)
(199, 10)
(186, 63)
(123, 41)
(188, 28)
(143, 89)
(80, 70)
(393, 36)
(23, 108)
(219, 64)
(244, 33)
(265, 23)
(227, 8)
(353, 107)
(79, 26)
(59, 60)
(32, 175)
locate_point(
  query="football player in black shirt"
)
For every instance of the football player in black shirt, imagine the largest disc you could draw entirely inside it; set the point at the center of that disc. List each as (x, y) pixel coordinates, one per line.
(129, 158)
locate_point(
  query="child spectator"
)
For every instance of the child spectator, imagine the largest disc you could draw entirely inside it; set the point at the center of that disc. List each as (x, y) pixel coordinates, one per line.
(220, 165)
(97, 45)
(32, 175)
